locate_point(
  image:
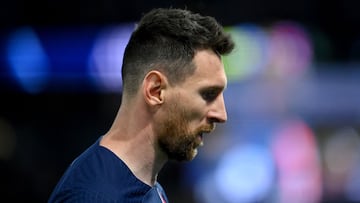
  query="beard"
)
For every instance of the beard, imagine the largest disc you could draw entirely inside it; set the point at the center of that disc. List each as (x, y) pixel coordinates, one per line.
(176, 139)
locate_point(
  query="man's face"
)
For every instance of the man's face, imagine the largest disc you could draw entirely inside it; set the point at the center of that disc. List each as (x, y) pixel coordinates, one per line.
(192, 108)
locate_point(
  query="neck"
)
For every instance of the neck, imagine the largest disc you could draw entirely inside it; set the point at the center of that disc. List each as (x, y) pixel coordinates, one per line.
(131, 139)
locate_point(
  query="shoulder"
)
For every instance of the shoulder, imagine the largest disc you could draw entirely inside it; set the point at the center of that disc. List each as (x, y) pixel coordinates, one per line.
(98, 171)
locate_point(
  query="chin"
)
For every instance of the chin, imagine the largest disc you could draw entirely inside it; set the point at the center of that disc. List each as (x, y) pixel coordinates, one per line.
(195, 152)
(189, 156)
(193, 155)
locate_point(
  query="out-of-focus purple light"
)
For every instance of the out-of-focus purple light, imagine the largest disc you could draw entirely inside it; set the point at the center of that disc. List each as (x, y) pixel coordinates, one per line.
(296, 157)
(290, 50)
(105, 61)
(342, 164)
(352, 186)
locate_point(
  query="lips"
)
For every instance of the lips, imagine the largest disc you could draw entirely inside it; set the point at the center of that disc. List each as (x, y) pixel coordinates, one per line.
(200, 135)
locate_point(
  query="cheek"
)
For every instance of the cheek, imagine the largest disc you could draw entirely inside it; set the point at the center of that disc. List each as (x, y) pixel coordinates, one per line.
(191, 118)
(196, 116)
(191, 107)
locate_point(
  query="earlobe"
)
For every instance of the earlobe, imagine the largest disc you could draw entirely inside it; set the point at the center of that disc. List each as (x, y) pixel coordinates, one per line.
(153, 87)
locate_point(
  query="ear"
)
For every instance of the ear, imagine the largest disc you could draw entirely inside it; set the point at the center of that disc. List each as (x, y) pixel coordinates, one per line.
(154, 85)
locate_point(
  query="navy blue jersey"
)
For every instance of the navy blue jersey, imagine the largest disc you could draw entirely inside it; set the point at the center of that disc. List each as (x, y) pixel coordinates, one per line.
(98, 175)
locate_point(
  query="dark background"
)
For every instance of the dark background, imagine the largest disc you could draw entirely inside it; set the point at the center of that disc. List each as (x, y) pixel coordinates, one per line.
(339, 19)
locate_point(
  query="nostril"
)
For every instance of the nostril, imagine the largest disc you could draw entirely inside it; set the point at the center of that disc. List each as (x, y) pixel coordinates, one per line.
(215, 120)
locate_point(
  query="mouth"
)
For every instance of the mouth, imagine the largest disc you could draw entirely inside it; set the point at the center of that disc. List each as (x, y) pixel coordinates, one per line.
(200, 139)
(200, 135)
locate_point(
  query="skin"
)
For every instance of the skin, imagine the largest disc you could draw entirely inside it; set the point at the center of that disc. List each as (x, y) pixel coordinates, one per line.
(163, 122)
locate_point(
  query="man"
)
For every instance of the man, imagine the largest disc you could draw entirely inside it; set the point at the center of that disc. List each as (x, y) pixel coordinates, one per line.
(173, 83)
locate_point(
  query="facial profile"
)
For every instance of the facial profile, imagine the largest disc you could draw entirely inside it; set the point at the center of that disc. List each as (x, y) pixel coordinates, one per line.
(192, 108)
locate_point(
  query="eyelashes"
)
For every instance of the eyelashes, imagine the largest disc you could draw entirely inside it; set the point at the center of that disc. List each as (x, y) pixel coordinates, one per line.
(209, 95)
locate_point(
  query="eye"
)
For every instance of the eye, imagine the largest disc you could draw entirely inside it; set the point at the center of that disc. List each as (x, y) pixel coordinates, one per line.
(209, 95)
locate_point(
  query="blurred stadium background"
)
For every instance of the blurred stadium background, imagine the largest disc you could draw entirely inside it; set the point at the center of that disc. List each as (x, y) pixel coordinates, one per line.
(293, 98)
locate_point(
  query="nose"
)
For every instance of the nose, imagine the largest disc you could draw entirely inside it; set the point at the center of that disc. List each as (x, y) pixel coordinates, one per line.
(217, 112)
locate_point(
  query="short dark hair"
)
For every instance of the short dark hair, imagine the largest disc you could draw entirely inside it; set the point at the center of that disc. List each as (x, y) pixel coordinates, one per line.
(167, 40)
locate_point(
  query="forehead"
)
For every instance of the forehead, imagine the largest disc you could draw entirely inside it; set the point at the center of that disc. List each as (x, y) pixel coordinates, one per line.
(209, 70)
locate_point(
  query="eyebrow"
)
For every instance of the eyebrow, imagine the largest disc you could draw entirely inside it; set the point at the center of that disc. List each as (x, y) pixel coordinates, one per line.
(214, 88)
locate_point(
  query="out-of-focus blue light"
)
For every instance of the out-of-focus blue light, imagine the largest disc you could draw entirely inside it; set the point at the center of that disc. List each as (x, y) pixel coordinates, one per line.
(27, 60)
(245, 174)
(352, 186)
(105, 61)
